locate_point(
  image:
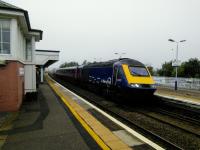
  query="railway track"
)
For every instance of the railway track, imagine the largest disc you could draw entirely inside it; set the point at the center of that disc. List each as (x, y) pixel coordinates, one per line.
(180, 116)
(124, 117)
(166, 143)
(184, 129)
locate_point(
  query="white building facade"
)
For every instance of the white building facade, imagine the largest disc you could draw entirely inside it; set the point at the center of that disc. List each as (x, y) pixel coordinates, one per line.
(17, 56)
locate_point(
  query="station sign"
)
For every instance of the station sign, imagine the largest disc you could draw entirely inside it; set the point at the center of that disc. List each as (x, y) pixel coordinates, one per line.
(176, 63)
(21, 71)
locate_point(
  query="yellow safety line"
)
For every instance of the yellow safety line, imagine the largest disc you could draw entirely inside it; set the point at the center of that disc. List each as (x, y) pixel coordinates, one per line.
(83, 123)
(7, 125)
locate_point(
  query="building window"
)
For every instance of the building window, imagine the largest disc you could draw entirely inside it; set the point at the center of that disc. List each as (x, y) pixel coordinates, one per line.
(4, 36)
(28, 50)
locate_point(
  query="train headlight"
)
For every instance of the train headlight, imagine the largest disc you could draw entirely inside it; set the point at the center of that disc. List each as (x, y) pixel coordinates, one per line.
(135, 85)
(153, 86)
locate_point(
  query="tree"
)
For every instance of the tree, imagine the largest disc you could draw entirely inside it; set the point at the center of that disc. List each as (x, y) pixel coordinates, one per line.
(69, 64)
(84, 62)
(151, 70)
(191, 68)
(188, 69)
(166, 70)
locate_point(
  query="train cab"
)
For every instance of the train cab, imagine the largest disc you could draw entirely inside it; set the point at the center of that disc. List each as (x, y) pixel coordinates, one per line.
(133, 77)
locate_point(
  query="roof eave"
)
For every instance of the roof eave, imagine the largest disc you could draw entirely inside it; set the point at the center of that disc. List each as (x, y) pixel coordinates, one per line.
(40, 32)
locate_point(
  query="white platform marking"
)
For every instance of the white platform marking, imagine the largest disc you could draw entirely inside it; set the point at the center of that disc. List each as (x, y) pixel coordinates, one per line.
(128, 138)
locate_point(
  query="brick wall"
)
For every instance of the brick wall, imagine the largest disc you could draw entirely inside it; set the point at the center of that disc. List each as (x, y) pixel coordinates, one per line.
(11, 86)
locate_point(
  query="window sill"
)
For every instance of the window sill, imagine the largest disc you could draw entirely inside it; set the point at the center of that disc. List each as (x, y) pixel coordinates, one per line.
(5, 54)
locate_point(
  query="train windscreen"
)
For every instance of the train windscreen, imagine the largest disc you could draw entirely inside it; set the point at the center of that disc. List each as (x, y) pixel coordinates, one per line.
(139, 71)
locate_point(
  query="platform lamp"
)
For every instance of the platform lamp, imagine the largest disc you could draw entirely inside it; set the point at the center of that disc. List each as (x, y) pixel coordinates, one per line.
(176, 61)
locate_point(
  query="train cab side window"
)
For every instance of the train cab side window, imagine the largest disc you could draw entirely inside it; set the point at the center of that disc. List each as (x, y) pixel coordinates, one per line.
(119, 74)
(114, 74)
(115, 71)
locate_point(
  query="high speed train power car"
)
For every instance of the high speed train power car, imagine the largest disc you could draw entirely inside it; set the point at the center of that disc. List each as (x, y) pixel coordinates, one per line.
(125, 76)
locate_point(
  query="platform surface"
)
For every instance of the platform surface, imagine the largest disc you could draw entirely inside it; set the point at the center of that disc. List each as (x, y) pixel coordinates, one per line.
(49, 123)
(45, 124)
(105, 128)
(189, 96)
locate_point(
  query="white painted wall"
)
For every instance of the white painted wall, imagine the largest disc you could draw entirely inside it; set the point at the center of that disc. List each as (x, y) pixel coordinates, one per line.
(30, 71)
(21, 44)
(43, 57)
(33, 50)
(30, 78)
(18, 52)
(14, 39)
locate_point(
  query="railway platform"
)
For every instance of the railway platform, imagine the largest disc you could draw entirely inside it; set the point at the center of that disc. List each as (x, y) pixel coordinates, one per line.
(57, 120)
(43, 124)
(182, 95)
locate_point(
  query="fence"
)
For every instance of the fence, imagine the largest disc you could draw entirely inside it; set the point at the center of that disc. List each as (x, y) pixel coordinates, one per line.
(186, 83)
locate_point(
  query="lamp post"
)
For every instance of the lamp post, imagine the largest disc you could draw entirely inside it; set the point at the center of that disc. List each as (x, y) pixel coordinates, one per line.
(120, 54)
(97, 59)
(176, 63)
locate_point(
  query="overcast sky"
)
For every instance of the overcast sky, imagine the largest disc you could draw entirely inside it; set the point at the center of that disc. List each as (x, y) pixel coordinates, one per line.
(96, 29)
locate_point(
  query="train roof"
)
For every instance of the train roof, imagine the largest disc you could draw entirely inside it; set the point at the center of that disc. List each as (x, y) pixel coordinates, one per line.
(111, 62)
(67, 68)
(131, 62)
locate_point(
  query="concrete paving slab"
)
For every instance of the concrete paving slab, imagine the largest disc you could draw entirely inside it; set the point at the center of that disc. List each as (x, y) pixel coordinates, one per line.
(117, 145)
(127, 138)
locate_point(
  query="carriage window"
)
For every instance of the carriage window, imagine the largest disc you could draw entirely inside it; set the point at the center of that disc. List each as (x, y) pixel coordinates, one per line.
(139, 71)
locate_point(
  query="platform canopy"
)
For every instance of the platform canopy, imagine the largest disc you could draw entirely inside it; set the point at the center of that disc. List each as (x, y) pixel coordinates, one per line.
(46, 57)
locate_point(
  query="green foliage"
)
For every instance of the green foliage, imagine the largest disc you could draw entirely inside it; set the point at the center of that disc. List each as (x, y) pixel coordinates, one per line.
(85, 62)
(191, 68)
(166, 70)
(188, 69)
(69, 64)
(151, 70)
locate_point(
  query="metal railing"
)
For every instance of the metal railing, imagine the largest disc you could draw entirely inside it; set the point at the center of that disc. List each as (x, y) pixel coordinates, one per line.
(185, 83)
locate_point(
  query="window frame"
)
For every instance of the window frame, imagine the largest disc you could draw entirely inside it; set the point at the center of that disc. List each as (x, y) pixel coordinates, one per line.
(28, 51)
(2, 50)
(148, 74)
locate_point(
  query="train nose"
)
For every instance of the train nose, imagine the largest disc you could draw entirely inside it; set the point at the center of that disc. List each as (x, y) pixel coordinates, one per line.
(135, 85)
(145, 86)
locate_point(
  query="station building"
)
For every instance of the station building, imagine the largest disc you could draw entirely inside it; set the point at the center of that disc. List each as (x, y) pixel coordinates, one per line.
(19, 59)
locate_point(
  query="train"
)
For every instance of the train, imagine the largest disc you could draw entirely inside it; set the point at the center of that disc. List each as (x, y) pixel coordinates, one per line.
(123, 76)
